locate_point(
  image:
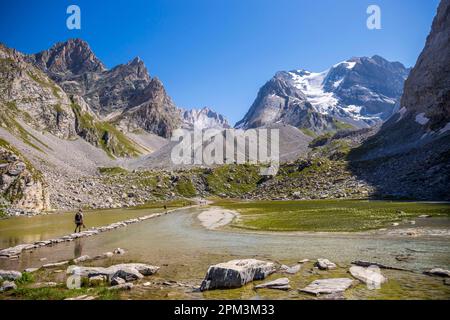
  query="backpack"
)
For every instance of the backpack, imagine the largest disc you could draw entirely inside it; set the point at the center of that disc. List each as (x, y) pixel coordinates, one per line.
(78, 217)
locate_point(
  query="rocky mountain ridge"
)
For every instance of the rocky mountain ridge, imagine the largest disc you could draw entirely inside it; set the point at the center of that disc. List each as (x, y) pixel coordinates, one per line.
(204, 118)
(358, 92)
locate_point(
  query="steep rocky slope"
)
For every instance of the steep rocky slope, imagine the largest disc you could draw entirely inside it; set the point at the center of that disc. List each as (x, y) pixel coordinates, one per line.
(26, 92)
(359, 92)
(29, 95)
(410, 156)
(125, 94)
(22, 187)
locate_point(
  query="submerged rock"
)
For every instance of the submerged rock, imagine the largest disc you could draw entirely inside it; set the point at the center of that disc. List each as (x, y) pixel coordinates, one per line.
(438, 272)
(125, 286)
(119, 251)
(53, 265)
(127, 271)
(328, 286)
(279, 284)
(325, 264)
(236, 273)
(81, 259)
(370, 276)
(116, 281)
(366, 264)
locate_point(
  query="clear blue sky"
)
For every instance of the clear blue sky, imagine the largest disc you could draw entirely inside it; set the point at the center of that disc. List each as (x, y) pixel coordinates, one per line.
(218, 53)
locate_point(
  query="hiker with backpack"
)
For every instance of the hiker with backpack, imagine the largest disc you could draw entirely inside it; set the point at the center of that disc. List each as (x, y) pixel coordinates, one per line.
(79, 221)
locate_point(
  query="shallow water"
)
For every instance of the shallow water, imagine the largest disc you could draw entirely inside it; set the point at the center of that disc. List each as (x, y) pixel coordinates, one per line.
(184, 249)
(18, 230)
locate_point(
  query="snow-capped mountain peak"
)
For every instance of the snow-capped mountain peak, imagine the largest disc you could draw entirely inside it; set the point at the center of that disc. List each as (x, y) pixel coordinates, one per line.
(204, 118)
(360, 91)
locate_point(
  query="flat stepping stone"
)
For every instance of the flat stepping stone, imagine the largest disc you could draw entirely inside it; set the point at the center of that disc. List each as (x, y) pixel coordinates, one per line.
(362, 263)
(328, 286)
(83, 297)
(54, 265)
(290, 270)
(370, 276)
(325, 264)
(279, 284)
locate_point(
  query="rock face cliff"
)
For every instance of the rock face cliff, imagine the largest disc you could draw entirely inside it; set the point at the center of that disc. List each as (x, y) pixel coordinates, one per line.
(410, 155)
(427, 90)
(21, 185)
(359, 92)
(125, 94)
(27, 93)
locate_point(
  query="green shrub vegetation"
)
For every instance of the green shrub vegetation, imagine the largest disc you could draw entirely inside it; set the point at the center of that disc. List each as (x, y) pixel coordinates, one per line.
(104, 135)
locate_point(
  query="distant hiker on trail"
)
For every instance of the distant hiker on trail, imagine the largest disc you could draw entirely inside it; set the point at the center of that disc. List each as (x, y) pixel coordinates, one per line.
(79, 221)
(165, 208)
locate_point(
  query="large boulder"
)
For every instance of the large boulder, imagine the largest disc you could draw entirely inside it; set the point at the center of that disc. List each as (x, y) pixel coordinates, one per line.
(328, 286)
(236, 273)
(370, 276)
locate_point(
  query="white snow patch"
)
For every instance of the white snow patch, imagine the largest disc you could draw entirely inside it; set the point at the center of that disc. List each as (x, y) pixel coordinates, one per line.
(401, 112)
(421, 119)
(445, 129)
(311, 84)
(337, 83)
(348, 64)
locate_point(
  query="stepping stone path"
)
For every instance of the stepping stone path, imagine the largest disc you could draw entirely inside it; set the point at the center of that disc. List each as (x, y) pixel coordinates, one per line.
(17, 250)
(236, 273)
(328, 286)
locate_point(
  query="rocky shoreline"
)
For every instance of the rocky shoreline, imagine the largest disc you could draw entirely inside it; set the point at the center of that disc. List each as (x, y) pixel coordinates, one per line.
(226, 275)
